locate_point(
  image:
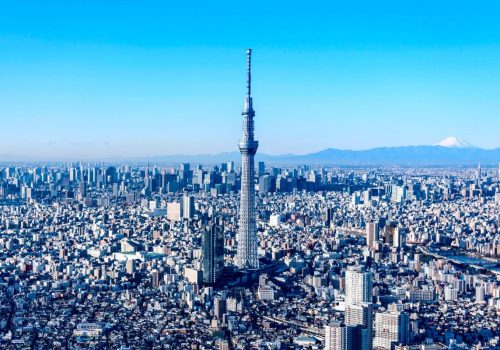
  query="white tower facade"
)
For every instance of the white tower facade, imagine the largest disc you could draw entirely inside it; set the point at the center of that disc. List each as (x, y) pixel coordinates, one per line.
(358, 286)
(359, 307)
(336, 337)
(246, 257)
(391, 328)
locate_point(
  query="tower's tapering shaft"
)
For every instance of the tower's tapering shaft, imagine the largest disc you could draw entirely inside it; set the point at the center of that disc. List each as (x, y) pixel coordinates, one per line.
(246, 257)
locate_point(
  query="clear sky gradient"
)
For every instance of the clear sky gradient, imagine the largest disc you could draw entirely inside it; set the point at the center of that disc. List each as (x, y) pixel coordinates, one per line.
(139, 78)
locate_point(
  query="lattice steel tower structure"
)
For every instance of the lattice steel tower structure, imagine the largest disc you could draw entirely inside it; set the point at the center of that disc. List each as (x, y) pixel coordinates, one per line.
(246, 257)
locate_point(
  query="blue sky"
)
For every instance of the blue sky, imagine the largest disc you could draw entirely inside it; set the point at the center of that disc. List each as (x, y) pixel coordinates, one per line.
(106, 78)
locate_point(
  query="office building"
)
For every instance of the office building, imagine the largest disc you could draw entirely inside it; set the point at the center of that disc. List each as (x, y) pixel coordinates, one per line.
(336, 336)
(130, 266)
(480, 294)
(398, 194)
(372, 234)
(399, 239)
(359, 319)
(155, 278)
(266, 184)
(212, 253)
(187, 206)
(174, 211)
(359, 309)
(262, 168)
(358, 286)
(391, 328)
(219, 307)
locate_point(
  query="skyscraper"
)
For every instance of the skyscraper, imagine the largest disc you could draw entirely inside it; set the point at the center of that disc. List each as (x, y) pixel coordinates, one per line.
(359, 308)
(130, 265)
(187, 206)
(219, 307)
(155, 278)
(262, 168)
(399, 239)
(358, 286)
(246, 257)
(359, 320)
(480, 294)
(391, 328)
(212, 253)
(336, 336)
(146, 176)
(372, 234)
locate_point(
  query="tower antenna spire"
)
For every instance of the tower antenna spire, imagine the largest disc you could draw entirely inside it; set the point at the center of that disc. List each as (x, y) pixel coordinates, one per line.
(249, 72)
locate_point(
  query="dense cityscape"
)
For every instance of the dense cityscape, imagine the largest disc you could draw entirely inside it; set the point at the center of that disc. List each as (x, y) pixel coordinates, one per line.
(144, 257)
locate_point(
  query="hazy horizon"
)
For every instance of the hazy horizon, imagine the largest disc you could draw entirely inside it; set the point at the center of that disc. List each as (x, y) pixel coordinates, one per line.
(12, 156)
(202, 156)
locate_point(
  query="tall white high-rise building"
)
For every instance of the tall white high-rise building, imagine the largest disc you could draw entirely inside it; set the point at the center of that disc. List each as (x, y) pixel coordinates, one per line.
(391, 328)
(358, 314)
(450, 293)
(246, 257)
(359, 319)
(480, 294)
(359, 307)
(399, 239)
(336, 336)
(358, 286)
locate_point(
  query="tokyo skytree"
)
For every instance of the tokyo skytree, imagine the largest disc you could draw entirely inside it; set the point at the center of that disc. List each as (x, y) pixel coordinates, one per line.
(246, 257)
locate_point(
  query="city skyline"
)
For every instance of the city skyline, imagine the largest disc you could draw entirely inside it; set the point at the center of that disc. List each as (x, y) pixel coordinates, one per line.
(142, 208)
(79, 82)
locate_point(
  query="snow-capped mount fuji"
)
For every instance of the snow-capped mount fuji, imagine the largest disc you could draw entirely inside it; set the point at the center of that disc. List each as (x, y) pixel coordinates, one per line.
(454, 142)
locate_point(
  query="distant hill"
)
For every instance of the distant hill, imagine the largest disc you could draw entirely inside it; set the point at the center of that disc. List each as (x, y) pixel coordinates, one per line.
(450, 151)
(406, 155)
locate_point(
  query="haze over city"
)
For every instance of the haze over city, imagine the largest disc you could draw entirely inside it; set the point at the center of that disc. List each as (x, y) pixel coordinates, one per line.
(92, 80)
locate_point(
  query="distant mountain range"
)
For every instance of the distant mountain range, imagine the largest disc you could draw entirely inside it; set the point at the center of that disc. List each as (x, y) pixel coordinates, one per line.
(450, 151)
(407, 155)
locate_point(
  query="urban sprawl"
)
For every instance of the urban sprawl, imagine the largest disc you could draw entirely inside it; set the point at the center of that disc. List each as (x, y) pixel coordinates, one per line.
(144, 257)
